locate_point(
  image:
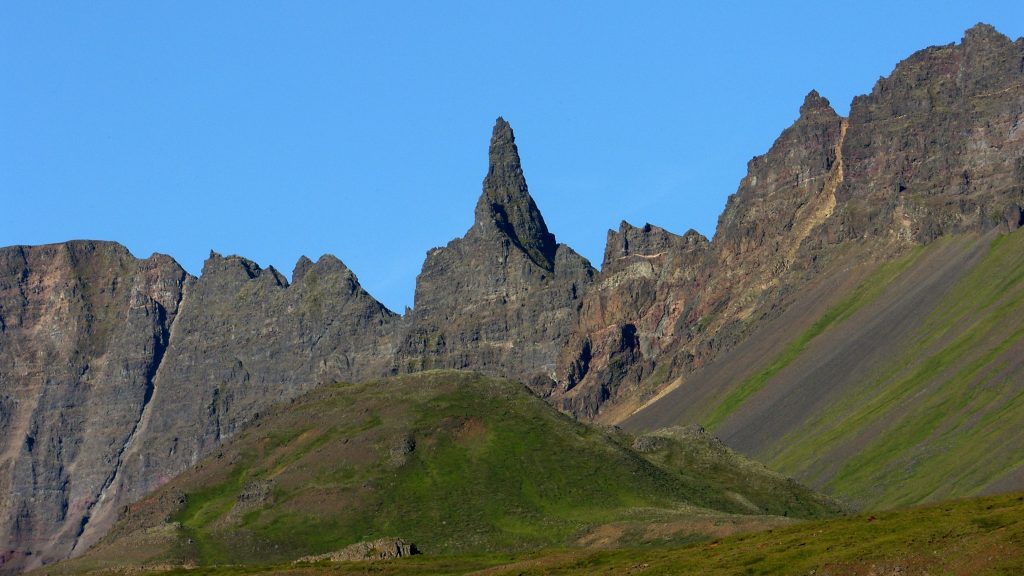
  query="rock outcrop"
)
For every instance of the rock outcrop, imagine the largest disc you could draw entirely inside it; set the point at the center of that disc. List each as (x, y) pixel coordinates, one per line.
(504, 298)
(244, 341)
(665, 305)
(380, 549)
(937, 148)
(119, 373)
(84, 327)
(645, 297)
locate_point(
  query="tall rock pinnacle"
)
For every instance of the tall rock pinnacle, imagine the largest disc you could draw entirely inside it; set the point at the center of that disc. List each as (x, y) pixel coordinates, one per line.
(503, 298)
(506, 201)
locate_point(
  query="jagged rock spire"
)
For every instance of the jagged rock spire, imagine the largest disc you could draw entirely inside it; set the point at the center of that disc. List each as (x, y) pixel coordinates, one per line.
(982, 33)
(815, 103)
(506, 201)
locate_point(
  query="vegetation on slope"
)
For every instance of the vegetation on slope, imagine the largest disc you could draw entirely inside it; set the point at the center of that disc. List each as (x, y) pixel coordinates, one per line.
(945, 417)
(455, 462)
(865, 292)
(970, 537)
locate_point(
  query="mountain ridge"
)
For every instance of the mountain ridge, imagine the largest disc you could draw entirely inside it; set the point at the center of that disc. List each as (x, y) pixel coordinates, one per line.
(936, 150)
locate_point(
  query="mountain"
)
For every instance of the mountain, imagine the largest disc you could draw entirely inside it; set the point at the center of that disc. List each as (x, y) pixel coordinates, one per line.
(503, 298)
(936, 149)
(887, 369)
(453, 461)
(853, 321)
(120, 373)
(84, 327)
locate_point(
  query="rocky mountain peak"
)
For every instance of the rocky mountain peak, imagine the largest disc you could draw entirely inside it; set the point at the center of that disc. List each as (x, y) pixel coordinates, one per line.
(816, 104)
(982, 34)
(506, 202)
(301, 267)
(646, 241)
(327, 264)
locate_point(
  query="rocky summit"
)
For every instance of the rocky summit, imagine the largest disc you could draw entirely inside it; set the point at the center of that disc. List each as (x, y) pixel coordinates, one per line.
(504, 298)
(866, 268)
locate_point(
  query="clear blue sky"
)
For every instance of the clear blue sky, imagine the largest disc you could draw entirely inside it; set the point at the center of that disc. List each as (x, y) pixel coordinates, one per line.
(276, 129)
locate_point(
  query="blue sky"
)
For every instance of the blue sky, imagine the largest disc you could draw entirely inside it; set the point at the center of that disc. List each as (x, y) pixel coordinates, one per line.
(276, 129)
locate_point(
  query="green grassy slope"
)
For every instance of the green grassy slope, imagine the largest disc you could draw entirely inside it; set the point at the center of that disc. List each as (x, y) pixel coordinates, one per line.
(975, 537)
(908, 389)
(455, 462)
(944, 416)
(864, 293)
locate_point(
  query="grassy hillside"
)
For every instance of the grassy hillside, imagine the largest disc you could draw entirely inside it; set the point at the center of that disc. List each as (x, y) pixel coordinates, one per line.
(906, 388)
(971, 538)
(455, 462)
(944, 416)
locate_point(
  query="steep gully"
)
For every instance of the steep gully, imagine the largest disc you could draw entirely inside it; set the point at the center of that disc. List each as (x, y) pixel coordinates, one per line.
(93, 528)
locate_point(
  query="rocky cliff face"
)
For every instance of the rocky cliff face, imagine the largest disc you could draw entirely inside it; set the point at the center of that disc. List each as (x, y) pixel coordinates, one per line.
(246, 340)
(665, 305)
(937, 148)
(118, 373)
(83, 329)
(644, 299)
(503, 298)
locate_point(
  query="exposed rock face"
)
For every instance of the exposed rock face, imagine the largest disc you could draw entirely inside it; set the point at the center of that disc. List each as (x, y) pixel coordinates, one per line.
(937, 148)
(665, 304)
(643, 300)
(503, 298)
(83, 328)
(118, 373)
(246, 340)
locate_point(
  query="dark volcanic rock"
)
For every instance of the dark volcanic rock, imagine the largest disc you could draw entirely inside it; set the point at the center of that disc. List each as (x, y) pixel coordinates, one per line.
(503, 298)
(83, 328)
(938, 146)
(246, 340)
(665, 304)
(118, 373)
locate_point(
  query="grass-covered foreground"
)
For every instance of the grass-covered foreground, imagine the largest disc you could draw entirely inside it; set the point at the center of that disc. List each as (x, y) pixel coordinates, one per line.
(969, 537)
(457, 463)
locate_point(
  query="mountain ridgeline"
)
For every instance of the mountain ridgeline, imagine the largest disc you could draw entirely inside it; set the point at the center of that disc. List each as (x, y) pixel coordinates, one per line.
(854, 321)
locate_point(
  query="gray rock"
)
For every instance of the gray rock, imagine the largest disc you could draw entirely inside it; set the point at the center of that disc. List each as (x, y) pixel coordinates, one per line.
(503, 298)
(85, 326)
(381, 549)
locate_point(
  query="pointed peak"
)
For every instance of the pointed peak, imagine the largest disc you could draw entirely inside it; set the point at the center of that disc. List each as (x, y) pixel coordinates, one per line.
(503, 155)
(331, 263)
(327, 264)
(300, 269)
(815, 103)
(506, 202)
(502, 132)
(982, 33)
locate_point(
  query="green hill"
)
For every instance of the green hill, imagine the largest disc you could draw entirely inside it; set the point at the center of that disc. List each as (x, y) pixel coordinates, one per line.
(453, 461)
